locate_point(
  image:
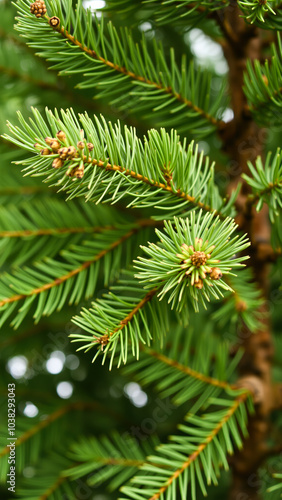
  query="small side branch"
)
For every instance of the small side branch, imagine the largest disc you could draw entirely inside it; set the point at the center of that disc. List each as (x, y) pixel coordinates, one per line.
(186, 369)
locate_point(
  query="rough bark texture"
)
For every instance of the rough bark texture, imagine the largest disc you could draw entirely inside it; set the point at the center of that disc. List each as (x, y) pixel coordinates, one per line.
(243, 141)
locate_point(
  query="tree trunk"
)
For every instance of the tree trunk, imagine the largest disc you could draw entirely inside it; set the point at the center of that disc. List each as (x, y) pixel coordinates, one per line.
(243, 141)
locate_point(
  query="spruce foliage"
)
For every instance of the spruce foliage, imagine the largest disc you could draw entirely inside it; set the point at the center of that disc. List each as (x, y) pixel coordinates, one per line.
(123, 248)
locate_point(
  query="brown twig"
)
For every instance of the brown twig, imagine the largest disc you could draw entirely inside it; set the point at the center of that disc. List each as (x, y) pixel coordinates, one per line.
(24, 233)
(151, 182)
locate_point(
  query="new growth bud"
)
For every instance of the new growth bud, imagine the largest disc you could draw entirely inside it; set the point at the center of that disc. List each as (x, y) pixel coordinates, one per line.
(61, 135)
(45, 151)
(55, 145)
(54, 22)
(48, 140)
(57, 163)
(216, 274)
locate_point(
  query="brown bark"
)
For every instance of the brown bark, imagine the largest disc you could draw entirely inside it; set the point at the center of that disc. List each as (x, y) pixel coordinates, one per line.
(243, 142)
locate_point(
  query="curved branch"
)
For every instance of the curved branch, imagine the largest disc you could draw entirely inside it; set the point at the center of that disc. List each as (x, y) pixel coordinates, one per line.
(53, 231)
(53, 487)
(203, 445)
(187, 370)
(134, 311)
(253, 199)
(121, 69)
(85, 265)
(152, 183)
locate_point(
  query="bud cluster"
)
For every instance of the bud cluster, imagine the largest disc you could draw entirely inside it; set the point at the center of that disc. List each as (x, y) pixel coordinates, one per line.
(38, 8)
(77, 171)
(58, 145)
(197, 263)
(67, 153)
(103, 340)
(186, 258)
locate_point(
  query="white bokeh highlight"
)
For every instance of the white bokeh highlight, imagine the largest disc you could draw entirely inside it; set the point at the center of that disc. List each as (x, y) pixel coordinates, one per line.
(146, 26)
(64, 390)
(203, 146)
(30, 410)
(147, 29)
(228, 115)
(55, 363)
(17, 366)
(207, 52)
(135, 394)
(28, 472)
(94, 5)
(72, 362)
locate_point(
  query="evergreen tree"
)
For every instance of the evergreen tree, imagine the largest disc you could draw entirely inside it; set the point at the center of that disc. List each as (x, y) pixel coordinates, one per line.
(123, 240)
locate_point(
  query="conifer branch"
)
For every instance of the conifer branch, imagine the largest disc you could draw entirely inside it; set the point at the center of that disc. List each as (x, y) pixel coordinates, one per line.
(49, 283)
(114, 462)
(173, 89)
(214, 433)
(119, 324)
(230, 412)
(266, 184)
(243, 306)
(176, 11)
(186, 262)
(74, 406)
(129, 317)
(121, 69)
(41, 228)
(54, 487)
(62, 279)
(55, 83)
(174, 270)
(73, 272)
(263, 13)
(53, 231)
(161, 169)
(268, 100)
(187, 370)
(263, 86)
(253, 199)
(158, 185)
(113, 458)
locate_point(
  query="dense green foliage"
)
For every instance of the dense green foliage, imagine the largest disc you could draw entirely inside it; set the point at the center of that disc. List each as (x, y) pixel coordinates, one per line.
(119, 239)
